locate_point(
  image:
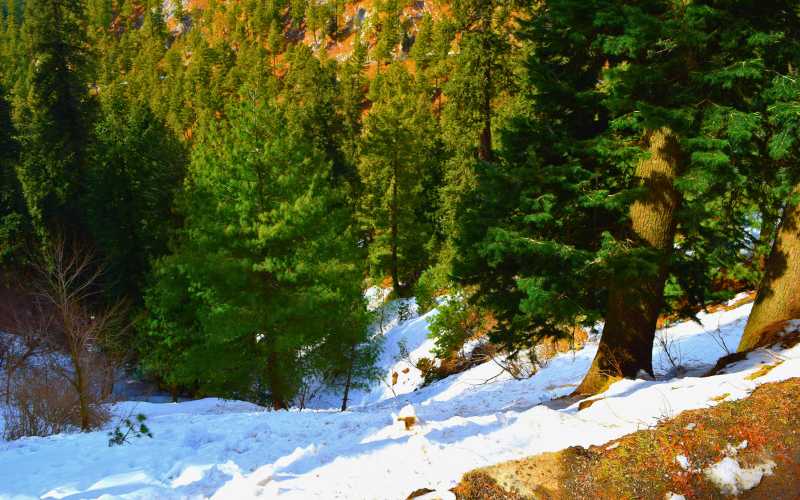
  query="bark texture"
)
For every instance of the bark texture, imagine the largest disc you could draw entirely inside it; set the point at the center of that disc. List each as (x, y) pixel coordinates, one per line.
(778, 298)
(626, 346)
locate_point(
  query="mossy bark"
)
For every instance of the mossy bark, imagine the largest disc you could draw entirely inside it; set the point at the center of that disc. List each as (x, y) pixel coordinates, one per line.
(778, 298)
(634, 302)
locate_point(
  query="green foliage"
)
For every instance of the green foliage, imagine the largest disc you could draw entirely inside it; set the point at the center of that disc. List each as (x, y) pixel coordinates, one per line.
(397, 171)
(264, 275)
(129, 429)
(13, 213)
(432, 283)
(490, 149)
(136, 166)
(50, 112)
(544, 231)
(456, 322)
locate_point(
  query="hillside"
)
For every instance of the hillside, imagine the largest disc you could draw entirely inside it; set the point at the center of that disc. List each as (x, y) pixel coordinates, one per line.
(360, 248)
(747, 448)
(230, 449)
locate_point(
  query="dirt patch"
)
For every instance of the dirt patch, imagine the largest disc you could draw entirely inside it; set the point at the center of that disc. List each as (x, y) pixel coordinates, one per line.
(420, 492)
(644, 464)
(408, 422)
(586, 403)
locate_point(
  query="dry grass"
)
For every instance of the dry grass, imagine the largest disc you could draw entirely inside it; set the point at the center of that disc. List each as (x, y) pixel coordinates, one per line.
(762, 371)
(643, 464)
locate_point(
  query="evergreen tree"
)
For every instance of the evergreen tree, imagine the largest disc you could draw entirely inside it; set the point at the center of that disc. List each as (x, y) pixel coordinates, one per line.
(776, 301)
(136, 166)
(264, 275)
(310, 90)
(397, 169)
(530, 239)
(13, 215)
(51, 114)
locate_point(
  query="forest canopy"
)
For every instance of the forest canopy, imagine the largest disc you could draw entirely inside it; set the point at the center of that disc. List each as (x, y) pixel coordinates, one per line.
(245, 170)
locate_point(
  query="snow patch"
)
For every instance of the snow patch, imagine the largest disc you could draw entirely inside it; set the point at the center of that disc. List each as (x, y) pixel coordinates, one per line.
(732, 479)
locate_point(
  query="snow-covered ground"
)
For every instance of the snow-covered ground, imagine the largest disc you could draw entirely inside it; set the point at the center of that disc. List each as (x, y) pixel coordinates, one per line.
(235, 450)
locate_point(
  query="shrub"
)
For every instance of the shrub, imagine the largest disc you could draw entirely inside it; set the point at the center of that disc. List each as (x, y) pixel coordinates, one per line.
(39, 404)
(457, 322)
(127, 429)
(430, 285)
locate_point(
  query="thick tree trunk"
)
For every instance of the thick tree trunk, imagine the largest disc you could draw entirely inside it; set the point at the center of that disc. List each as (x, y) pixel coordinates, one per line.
(83, 401)
(626, 346)
(778, 298)
(275, 383)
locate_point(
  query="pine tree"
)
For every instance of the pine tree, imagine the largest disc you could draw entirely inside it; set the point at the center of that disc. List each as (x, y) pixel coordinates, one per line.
(776, 301)
(265, 274)
(481, 69)
(560, 228)
(396, 171)
(51, 114)
(529, 238)
(478, 79)
(136, 166)
(13, 215)
(352, 97)
(635, 299)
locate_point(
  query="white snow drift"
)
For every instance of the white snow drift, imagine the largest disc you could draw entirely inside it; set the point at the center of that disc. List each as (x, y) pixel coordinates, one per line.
(236, 450)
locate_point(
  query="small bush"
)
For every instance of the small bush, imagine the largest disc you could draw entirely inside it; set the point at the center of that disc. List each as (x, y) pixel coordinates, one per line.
(404, 311)
(457, 322)
(431, 284)
(129, 429)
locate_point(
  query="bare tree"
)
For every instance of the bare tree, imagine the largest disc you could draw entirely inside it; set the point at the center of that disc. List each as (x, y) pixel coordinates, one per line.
(27, 327)
(71, 329)
(69, 283)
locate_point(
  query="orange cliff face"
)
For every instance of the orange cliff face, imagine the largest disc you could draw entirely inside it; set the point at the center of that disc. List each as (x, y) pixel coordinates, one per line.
(357, 17)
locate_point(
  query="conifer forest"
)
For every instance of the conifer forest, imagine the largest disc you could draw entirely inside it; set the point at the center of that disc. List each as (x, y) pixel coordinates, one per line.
(237, 199)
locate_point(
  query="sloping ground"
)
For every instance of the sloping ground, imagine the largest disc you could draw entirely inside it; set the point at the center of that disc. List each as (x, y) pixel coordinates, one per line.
(403, 343)
(749, 447)
(235, 450)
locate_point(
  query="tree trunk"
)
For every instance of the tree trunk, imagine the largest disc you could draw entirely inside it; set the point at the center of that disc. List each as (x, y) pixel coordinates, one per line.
(626, 346)
(394, 216)
(485, 146)
(275, 386)
(778, 298)
(83, 402)
(349, 377)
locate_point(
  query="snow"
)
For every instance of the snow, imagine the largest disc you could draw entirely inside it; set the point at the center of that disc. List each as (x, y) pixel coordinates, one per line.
(404, 343)
(731, 479)
(236, 450)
